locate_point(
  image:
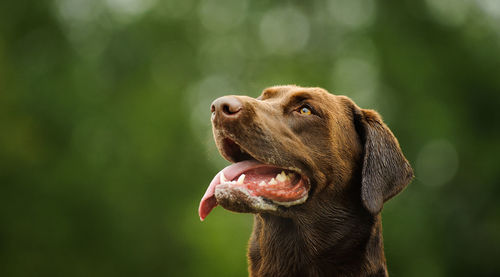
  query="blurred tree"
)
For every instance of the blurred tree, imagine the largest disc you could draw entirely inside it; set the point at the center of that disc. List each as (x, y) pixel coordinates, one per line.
(105, 146)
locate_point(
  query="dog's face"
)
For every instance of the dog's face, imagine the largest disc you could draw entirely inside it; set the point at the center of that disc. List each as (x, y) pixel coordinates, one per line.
(292, 146)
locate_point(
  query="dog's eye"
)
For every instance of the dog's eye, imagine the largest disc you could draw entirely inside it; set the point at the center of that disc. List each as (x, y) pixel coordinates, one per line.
(305, 111)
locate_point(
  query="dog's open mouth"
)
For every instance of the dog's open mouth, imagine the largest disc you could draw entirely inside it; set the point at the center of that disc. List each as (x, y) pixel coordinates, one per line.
(264, 183)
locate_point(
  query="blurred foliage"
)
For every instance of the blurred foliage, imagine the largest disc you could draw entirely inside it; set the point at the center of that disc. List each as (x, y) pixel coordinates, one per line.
(105, 146)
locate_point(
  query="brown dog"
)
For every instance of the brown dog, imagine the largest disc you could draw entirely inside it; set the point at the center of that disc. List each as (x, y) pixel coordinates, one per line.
(315, 169)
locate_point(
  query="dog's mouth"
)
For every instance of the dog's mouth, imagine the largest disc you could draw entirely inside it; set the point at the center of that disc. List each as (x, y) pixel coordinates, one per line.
(267, 185)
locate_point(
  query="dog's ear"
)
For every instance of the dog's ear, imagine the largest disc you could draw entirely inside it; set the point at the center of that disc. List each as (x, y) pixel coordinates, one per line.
(385, 170)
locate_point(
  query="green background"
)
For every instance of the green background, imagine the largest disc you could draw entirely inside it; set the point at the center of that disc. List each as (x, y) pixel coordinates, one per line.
(105, 144)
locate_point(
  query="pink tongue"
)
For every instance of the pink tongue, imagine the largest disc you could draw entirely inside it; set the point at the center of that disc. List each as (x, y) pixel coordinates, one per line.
(208, 201)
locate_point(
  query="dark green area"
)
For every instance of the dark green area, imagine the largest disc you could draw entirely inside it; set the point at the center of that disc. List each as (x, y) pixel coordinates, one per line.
(105, 146)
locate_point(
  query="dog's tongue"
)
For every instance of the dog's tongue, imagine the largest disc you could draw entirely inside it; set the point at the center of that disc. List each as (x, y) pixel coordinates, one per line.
(208, 201)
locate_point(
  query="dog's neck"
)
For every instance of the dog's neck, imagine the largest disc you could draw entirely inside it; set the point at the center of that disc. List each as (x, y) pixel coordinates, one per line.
(318, 245)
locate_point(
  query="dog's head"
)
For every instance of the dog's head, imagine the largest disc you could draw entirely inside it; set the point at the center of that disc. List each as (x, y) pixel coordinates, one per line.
(293, 147)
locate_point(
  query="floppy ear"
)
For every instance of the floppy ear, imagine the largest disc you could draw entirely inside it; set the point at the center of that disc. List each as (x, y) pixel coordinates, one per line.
(385, 171)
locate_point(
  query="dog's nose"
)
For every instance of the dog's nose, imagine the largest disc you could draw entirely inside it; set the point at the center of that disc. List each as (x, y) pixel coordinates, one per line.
(227, 106)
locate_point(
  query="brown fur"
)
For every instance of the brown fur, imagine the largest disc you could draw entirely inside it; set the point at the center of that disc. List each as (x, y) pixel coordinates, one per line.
(353, 162)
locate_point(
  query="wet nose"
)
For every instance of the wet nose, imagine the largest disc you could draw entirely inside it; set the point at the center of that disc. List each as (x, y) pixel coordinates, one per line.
(226, 106)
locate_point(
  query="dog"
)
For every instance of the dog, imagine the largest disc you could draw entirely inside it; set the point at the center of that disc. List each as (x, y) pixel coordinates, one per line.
(315, 169)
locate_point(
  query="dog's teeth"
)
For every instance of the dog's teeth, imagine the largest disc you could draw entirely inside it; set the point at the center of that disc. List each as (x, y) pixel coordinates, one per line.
(281, 177)
(273, 182)
(222, 178)
(241, 178)
(262, 183)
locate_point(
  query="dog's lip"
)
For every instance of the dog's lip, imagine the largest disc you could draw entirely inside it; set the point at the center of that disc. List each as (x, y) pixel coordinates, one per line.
(232, 151)
(248, 155)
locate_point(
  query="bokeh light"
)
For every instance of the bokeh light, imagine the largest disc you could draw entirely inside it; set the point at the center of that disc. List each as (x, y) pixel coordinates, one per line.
(284, 30)
(437, 163)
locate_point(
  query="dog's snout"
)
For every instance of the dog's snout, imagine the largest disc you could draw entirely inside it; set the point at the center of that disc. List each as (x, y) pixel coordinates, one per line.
(227, 106)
